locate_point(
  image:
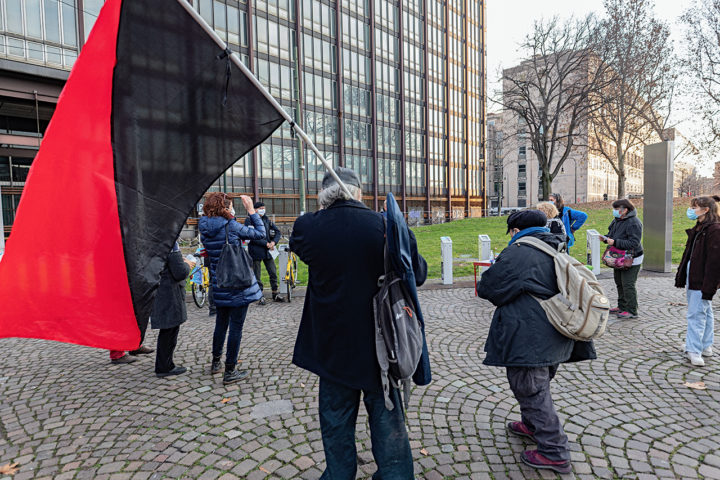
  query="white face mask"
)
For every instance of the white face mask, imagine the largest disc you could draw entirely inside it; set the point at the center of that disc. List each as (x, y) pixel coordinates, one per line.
(232, 210)
(261, 212)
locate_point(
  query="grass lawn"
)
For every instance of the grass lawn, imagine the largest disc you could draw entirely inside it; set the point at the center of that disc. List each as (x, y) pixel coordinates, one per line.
(464, 234)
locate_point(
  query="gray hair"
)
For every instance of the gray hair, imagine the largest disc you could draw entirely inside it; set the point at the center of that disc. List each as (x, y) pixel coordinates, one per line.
(334, 192)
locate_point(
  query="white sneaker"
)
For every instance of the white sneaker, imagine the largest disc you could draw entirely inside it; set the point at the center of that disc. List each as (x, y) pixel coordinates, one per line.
(707, 352)
(696, 359)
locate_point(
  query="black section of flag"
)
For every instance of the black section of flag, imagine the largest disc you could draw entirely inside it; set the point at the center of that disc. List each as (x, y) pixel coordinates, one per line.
(172, 136)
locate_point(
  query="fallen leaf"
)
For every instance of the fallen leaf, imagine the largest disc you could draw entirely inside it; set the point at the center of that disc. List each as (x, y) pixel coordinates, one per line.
(225, 400)
(696, 385)
(302, 385)
(9, 469)
(677, 304)
(264, 470)
(424, 452)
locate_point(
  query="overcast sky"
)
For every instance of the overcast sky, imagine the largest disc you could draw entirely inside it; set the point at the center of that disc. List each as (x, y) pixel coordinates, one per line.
(509, 21)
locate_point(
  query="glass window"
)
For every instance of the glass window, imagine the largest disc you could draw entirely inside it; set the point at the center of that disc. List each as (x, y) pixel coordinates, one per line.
(243, 29)
(261, 33)
(14, 16)
(52, 21)
(220, 19)
(233, 25)
(206, 10)
(91, 11)
(69, 26)
(32, 18)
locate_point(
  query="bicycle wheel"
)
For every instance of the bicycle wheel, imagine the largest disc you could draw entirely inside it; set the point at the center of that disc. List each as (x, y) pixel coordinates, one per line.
(199, 294)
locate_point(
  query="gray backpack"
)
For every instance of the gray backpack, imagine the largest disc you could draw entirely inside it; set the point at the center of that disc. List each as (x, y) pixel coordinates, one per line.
(398, 334)
(581, 310)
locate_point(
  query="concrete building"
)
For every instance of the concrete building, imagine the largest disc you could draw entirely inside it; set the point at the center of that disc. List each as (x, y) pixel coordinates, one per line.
(394, 90)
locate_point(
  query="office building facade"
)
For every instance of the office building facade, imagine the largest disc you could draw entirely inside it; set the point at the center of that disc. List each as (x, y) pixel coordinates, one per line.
(394, 90)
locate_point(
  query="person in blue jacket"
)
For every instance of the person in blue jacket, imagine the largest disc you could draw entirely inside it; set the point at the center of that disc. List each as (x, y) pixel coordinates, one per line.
(572, 219)
(232, 305)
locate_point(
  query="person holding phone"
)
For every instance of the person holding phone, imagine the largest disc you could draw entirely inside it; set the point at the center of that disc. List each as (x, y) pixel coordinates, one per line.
(625, 233)
(231, 305)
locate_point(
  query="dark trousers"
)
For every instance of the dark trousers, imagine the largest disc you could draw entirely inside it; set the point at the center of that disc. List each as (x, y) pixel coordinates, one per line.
(531, 387)
(166, 342)
(338, 409)
(272, 272)
(211, 300)
(229, 321)
(625, 281)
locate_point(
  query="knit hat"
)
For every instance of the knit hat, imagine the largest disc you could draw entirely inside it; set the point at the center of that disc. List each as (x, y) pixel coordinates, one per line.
(526, 219)
(347, 175)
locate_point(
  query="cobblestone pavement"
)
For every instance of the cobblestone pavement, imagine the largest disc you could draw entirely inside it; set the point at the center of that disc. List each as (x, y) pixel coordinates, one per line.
(67, 413)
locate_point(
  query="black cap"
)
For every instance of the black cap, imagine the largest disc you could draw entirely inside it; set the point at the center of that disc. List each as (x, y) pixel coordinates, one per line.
(347, 175)
(258, 205)
(526, 219)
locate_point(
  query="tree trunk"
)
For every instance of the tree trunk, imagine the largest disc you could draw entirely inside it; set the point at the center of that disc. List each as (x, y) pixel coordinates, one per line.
(546, 184)
(621, 184)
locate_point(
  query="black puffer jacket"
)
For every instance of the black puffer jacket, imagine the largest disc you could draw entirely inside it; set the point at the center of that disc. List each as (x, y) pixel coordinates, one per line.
(627, 233)
(520, 333)
(258, 248)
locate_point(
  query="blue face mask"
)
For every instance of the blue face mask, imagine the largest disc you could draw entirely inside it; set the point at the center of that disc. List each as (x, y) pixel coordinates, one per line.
(691, 213)
(616, 213)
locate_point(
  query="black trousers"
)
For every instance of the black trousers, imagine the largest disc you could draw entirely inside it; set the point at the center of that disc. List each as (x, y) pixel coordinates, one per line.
(166, 342)
(271, 269)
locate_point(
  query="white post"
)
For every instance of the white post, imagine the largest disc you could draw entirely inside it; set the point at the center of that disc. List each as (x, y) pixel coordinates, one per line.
(484, 247)
(284, 251)
(236, 60)
(447, 260)
(593, 250)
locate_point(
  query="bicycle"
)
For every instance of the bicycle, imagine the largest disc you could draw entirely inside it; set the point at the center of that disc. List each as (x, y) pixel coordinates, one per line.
(200, 284)
(290, 278)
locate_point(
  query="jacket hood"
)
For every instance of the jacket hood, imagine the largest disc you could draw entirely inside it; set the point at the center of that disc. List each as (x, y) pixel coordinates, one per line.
(211, 226)
(629, 215)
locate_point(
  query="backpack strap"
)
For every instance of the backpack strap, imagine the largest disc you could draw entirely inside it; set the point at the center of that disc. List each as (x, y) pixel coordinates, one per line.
(538, 244)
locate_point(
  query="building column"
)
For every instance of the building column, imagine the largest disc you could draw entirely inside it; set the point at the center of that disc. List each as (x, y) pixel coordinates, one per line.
(427, 111)
(403, 161)
(374, 103)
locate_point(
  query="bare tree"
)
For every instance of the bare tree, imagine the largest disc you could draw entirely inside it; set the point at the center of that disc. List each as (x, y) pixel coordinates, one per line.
(549, 93)
(635, 103)
(703, 64)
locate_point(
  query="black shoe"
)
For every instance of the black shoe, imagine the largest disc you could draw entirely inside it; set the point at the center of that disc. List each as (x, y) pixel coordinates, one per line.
(234, 376)
(174, 371)
(124, 359)
(143, 350)
(277, 298)
(262, 301)
(215, 366)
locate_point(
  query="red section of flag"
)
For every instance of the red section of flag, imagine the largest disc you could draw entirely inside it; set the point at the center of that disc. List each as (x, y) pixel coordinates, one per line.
(63, 275)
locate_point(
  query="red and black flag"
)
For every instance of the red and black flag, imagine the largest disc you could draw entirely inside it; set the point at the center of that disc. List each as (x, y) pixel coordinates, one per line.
(152, 114)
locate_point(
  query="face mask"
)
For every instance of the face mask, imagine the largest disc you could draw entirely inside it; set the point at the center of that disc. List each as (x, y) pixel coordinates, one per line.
(616, 213)
(552, 201)
(691, 213)
(232, 210)
(261, 212)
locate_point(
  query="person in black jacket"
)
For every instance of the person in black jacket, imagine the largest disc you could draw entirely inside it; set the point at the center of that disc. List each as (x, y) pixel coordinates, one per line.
(522, 339)
(169, 312)
(625, 233)
(260, 252)
(343, 246)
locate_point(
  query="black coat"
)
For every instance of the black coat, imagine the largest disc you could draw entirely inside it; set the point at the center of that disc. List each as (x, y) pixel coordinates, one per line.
(169, 308)
(627, 233)
(343, 248)
(702, 251)
(520, 333)
(258, 248)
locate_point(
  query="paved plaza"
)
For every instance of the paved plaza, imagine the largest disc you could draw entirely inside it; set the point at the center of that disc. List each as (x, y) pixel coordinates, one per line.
(67, 413)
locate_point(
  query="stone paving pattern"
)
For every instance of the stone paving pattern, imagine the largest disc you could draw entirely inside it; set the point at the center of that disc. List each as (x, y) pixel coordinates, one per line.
(67, 413)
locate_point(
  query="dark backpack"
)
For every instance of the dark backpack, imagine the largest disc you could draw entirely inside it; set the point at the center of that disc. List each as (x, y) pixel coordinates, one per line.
(398, 334)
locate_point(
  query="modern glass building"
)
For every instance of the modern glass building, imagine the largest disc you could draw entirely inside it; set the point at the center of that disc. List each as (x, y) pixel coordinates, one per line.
(393, 89)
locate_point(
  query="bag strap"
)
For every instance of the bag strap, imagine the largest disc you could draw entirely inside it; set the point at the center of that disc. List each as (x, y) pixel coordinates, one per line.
(538, 244)
(227, 242)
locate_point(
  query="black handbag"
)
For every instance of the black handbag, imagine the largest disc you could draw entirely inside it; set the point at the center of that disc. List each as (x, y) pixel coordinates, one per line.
(234, 268)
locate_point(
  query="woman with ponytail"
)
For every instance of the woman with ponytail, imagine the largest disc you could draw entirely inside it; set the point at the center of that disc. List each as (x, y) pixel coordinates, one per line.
(699, 274)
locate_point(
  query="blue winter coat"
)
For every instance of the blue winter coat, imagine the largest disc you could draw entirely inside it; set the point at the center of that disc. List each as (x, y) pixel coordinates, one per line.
(573, 220)
(212, 235)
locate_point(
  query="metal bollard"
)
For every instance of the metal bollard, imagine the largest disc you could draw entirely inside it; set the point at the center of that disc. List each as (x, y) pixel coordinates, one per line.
(447, 260)
(284, 254)
(593, 250)
(484, 247)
